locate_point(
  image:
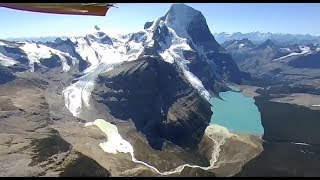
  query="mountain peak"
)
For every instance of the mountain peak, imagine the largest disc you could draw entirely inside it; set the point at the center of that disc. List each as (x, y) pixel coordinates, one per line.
(58, 40)
(98, 35)
(247, 42)
(238, 44)
(187, 23)
(268, 42)
(180, 7)
(245, 39)
(96, 28)
(179, 18)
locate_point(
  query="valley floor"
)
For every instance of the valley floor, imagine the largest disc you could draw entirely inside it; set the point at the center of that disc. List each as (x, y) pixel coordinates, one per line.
(41, 137)
(308, 100)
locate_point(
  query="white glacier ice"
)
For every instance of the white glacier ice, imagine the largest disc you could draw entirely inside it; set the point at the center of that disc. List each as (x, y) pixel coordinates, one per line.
(35, 52)
(304, 50)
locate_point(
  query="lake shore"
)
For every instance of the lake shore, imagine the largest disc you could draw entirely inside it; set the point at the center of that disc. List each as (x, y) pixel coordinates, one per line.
(249, 91)
(237, 112)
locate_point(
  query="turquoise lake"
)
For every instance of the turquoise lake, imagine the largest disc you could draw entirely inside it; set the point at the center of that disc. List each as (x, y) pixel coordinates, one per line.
(237, 113)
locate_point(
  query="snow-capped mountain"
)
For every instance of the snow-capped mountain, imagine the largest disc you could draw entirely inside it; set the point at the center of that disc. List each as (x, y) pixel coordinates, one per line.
(146, 94)
(243, 44)
(153, 85)
(37, 39)
(180, 41)
(271, 61)
(259, 37)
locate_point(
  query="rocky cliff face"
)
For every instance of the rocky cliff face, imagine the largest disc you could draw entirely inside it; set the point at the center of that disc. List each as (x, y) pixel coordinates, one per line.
(6, 75)
(205, 50)
(158, 99)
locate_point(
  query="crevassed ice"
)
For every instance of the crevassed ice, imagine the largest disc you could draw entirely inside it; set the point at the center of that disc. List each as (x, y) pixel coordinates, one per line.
(101, 57)
(77, 95)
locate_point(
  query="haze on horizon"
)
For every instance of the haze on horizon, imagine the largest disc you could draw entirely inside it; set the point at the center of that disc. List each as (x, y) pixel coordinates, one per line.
(286, 18)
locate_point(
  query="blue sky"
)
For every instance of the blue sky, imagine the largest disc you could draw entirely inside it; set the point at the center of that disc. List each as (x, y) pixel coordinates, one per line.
(130, 17)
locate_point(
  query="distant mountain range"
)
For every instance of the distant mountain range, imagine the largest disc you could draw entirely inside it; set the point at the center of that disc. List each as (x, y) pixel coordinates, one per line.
(259, 37)
(294, 63)
(256, 37)
(37, 39)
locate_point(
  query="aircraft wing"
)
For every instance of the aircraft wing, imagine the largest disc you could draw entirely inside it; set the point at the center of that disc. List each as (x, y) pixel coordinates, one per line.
(95, 9)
